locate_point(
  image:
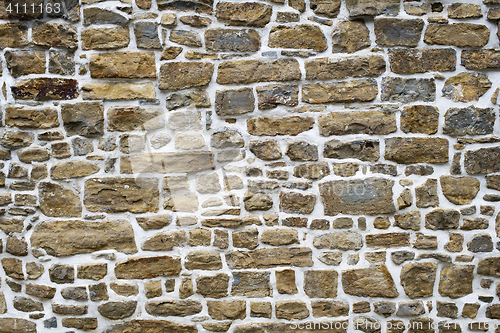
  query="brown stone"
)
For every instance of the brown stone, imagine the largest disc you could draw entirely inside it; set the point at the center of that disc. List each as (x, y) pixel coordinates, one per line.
(251, 284)
(233, 102)
(482, 161)
(456, 281)
(92, 271)
(363, 90)
(249, 71)
(57, 201)
(148, 267)
(96, 15)
(412, 61)
(80, 323)
(420, 119)
(231, 222)
(341, 240)
(144, 325)
(368, 196)
(464, 10)
(121, 195)
(329, 308)
(418, 279)
(489, 266)
(230, 309)
(117, 310)
(375, 281)
(250, 14)
(63, 238)
(466, 87)
(408, 90)
(356, 122)
(52, 34)
(278, 237)
(213, 286)
(45, 89)
(40, 291)
(370, 8)
(206, 260)
(398, 32)
(271, 126)
(297, 37)
(328, 8)
(350, 36)
(13, 34)
(458, 34)
(104, 38)
(416, 150)
(180, 75)
(266, 258)
(480, 59)
(285, 281)
(390, 239)
(164, 241)
(291, 309)
(72, 310)
(32, 118)
(459, 190)
(320, 283)
(343, 67)
(128, 64)
(73, 169)
(16, 325)
(25, 62)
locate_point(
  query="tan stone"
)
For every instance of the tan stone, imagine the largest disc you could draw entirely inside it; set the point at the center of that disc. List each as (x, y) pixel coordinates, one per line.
(418, 279)
(13, 34)
(73, 169)
(456, 281)
(344, 67)
(458, 34)
(356, 122)
(104, 38)
(234, 222)
(320, 283)
(249, 71)
(420, 119)
(148, 267)
(213, 286)
(480, 59)
(121, 195)
(341, 240)
(416, 150)
(330, 308)
(250, 14)
(278, 237)
(285, 281)
(279, 125)
(459, 190)
(25, 62)
(92, 271)
(363, 90)
(489, 266)
(370, 8)
(466, 87)
(266, 258)
(64, 238)
(143, 325)
(390, 239)
(230, 309)
(58, 201)
(17, 325)
(53, 34)
(36, 118)
(291, 309)
(251, 284)
(179, 308)
(118, 90)
(412, 61)
(375, 281)
(350, 36)
(205, 260)
(128, 64)
(181, 75)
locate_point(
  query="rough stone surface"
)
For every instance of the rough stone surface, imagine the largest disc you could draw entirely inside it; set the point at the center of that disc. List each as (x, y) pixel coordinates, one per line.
(369, 282)
(458, 34)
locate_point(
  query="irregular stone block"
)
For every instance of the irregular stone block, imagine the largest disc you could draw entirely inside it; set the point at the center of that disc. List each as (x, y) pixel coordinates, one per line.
(482, 161)
(42, 89)
(232, 40)
(343, 67)
(250, 14)
(458, 34)
(271, 126)
(250, 71)
(408, 61)
(118, 90)
(105, 38)
(128, 64)
(416, 150)
(368, 196)
(181, 75)
(148, 267)
(375, 281)
(357, 122)
(363, 90)
(397, 89)
(266, 258)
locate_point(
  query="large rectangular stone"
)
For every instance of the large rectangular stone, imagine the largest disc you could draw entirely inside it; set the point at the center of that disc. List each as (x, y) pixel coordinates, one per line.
(409, 150)
(115, 195)
(249, 71)
(458, 34)
(369, 196)
(104, 38)
(231, 222)
(357, 122)
(118, 90)
(481, 59)
(411, 61)
(266, 258)
(388, 239)
(148, 267)
(482, 161)
(403, 90)
(25, 117)
(344, 67)
(67, 238)
(181, 75)
(364, 90)
(45, 88)
(171, 162)
(271, 126)
(128, 64)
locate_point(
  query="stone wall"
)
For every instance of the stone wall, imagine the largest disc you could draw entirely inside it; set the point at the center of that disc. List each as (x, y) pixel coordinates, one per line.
(185, 166)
